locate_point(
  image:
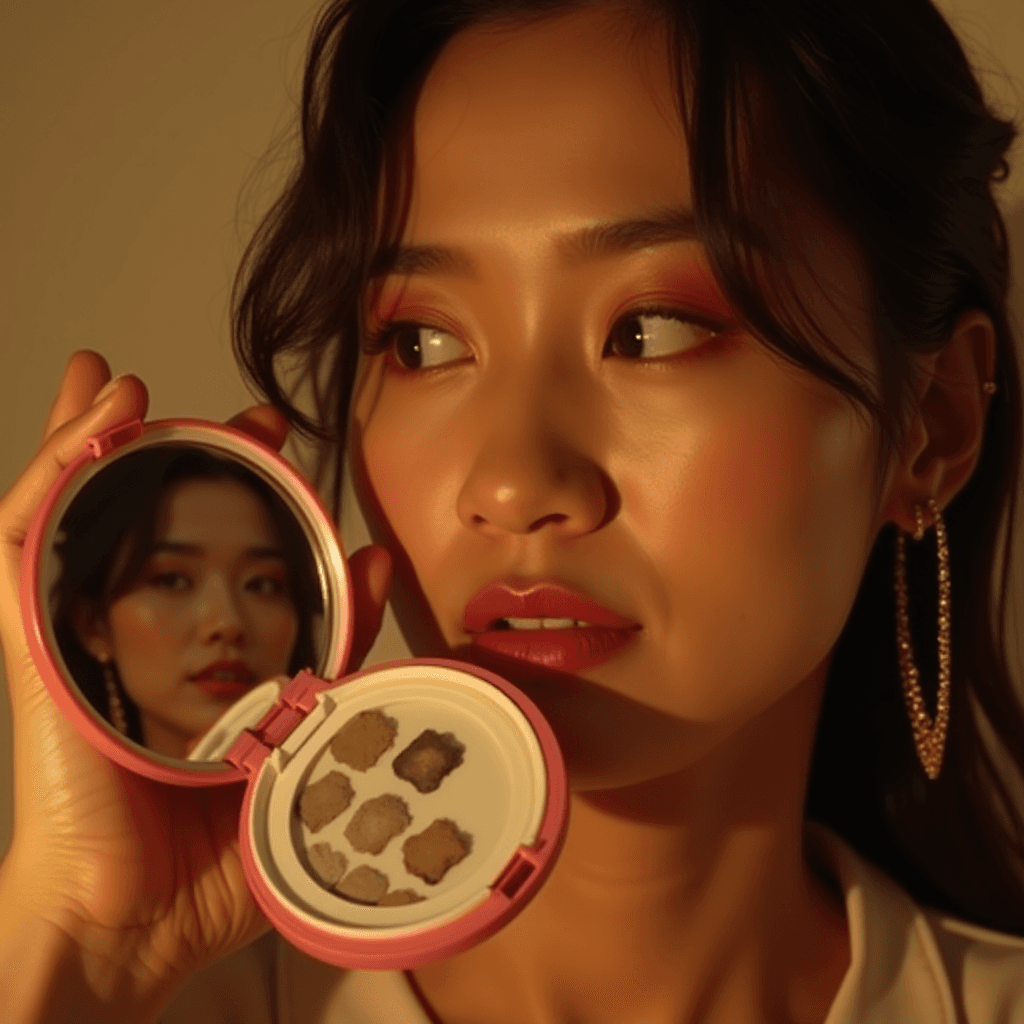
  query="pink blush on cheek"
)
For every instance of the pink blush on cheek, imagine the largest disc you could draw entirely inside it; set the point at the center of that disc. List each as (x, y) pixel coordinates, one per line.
(419, 491)
(725, 481)
(279, 640)
(136, 623)
(772, 504)
(149, 643)
(751, 472)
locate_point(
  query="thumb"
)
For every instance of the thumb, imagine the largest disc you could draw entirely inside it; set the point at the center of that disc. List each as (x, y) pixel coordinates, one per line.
(370, 571)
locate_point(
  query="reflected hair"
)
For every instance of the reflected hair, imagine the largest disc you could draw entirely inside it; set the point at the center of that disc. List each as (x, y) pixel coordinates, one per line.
(109, 531)
(871, 110)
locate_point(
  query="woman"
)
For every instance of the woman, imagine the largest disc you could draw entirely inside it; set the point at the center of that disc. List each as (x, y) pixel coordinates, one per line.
(185, 580)
(657, 326)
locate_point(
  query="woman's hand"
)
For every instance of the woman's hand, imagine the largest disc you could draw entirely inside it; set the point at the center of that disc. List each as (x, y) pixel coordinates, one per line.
(116, 888)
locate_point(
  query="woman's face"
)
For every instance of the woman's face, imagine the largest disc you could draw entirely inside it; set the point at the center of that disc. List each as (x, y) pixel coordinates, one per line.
(210, 616)
(569, 400)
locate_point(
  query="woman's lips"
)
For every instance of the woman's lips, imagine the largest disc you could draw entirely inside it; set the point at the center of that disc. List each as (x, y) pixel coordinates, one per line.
(225, 680)
(569, 632)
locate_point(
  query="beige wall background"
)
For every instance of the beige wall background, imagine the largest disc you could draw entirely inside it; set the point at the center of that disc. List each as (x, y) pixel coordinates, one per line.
(128, 133)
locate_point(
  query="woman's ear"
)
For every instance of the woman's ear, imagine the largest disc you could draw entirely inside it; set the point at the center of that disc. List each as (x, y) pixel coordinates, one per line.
(91, 628)
(947, 428)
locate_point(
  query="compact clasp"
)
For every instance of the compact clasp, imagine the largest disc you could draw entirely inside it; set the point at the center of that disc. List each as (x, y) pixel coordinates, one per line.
(253, 746)
(523, 864)
(102, 444)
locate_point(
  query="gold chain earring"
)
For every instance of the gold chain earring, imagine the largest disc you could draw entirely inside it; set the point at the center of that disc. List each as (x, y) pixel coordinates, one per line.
(929, 735)
(117, 716)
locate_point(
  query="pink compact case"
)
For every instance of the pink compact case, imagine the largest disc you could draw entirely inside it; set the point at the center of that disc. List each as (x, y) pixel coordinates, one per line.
(392, 817)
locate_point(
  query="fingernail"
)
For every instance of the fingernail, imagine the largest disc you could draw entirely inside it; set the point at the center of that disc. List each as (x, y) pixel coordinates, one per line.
(108, 388)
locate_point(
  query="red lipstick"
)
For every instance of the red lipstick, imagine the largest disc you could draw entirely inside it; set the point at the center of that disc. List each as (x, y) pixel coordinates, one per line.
(225, 680)
(548, 624)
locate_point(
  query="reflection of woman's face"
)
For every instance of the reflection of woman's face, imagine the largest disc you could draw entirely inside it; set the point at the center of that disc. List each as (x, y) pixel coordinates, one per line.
(210, 616)
(571, 400)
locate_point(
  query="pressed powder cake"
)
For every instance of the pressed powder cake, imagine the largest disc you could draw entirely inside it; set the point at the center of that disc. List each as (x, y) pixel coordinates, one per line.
(321, 802)
(362, 740)
(428, 759)
(363, 885)
(399, 898)
(328, 863)
(435, 850)
(377, 822)
(428, 855)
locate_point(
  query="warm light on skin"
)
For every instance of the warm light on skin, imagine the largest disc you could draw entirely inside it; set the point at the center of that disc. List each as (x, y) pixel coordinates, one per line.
(215, 589)
(742, 488)
(720, 497)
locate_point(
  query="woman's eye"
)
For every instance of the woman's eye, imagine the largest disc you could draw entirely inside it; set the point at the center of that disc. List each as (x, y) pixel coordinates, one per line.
(170, 581)
(420, 348)
(652, 335)
(265, 586)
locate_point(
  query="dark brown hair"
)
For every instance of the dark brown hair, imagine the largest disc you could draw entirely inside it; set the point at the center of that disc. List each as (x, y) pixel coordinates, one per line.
(872, 107)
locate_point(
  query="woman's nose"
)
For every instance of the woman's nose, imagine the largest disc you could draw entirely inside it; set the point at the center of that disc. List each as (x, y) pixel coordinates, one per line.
(220, 617)
(528, 476)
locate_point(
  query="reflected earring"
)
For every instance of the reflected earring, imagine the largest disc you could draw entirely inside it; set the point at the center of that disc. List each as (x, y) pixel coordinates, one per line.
(929, 735)
(989, 387)
(117, 716)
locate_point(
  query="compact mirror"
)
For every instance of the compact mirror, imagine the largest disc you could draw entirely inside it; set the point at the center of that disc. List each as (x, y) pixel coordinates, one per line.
(188, 606)
(179, 572)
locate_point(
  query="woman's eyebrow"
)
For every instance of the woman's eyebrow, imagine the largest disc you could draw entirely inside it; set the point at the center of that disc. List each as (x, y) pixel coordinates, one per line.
(594, 242)
(265, 552)
(663, 227)
(612, 238)
(406, 260)
(174, 547)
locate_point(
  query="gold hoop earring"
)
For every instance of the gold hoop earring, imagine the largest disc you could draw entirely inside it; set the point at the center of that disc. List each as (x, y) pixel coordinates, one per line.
(929, 735)
(118, 718)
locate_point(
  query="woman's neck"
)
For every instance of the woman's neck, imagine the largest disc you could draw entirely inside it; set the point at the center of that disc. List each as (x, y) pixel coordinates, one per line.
(161, 739)
(681, 899)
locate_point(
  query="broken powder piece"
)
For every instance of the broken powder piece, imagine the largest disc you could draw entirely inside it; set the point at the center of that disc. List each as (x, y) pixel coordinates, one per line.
(328, 864)
(322, 801)
(439, 847)
(377, 822)
(399, 898)
(360, 742)
(428, 759)
(363, 885)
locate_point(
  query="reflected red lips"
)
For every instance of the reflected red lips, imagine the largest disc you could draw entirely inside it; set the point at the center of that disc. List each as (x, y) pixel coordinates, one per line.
(578, 632)
(226, 680)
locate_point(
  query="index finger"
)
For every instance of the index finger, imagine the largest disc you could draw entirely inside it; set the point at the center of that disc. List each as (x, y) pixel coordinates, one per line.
(126, 402)
(85, 374)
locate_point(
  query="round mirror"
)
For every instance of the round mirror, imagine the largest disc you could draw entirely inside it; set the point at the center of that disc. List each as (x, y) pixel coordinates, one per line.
(179, 576)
